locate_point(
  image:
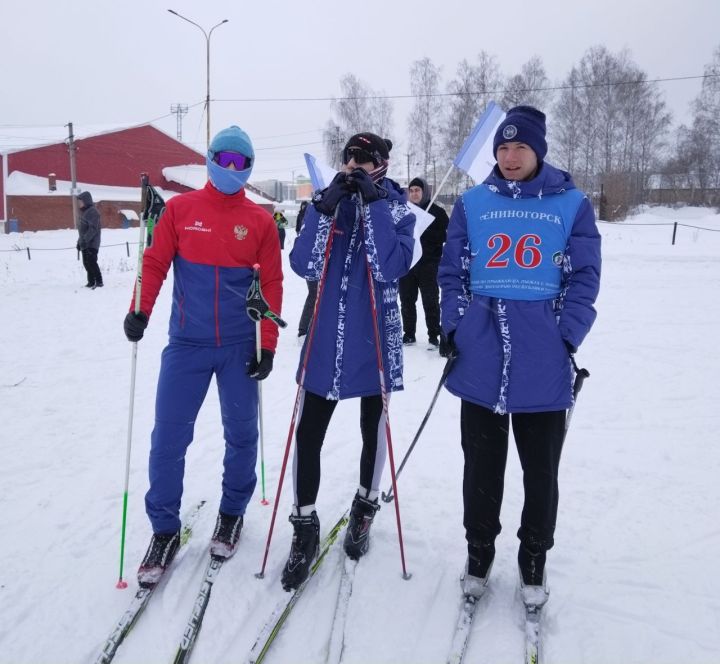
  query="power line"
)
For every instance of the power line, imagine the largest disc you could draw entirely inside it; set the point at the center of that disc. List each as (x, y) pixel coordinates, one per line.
(476, 92)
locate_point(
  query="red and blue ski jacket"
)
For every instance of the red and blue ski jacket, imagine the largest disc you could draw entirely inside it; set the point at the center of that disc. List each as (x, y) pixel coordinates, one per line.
(213, 240)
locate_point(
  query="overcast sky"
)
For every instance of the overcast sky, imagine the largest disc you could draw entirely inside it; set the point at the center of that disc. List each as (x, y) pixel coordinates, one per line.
(105, 61)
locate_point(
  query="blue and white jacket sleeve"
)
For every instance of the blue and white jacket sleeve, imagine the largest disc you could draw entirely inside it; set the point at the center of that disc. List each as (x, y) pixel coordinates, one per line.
(581, 277)
(308, 252)
(454, 271)
(389, 238)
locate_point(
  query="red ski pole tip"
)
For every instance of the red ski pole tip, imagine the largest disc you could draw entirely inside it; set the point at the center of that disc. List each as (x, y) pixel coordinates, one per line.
(121, 585)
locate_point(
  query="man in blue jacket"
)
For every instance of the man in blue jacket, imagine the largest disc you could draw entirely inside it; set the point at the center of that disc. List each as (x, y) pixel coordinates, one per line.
(361, 222)
(519, 275)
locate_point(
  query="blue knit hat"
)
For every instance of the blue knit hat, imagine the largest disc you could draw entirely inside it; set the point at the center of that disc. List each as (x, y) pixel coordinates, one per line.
(524, 124)
(233, 139)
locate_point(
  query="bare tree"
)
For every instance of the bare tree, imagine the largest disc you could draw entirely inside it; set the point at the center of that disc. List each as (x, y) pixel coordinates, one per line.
(471, 90)
(705, 132)
(529, 87)
(358, 109)
(424, 119)
(609, 121)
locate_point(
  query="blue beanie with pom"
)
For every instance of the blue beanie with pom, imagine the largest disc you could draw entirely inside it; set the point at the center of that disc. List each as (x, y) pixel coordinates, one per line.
(524, 124)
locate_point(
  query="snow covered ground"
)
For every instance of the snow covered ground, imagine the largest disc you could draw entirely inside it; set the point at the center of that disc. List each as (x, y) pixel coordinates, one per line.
(633, 575)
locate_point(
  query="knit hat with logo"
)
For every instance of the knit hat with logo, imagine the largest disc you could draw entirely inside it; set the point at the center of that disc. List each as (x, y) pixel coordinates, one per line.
(524, 124)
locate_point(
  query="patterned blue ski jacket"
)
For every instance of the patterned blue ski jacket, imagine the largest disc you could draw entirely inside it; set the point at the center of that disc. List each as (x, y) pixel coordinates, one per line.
(343, 361)
(519, 275)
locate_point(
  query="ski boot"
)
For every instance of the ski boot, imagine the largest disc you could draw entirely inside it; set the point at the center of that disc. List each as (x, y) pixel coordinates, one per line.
(477, 568)
(226, 536)
(158, 557)
(357, 537)
(303, 551)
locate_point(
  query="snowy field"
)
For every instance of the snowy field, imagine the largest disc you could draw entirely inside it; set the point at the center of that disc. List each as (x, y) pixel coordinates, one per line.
(633, 575)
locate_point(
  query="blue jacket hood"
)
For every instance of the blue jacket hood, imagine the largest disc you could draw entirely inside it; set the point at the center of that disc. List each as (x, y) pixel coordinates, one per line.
(549, 180)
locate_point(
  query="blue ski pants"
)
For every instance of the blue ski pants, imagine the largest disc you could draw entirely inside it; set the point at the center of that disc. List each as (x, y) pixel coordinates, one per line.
(185, 374)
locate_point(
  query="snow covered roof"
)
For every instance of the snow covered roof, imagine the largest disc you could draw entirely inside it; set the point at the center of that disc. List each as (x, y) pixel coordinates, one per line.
(23, 184)
(191, 175)
(195, 177)
(17, 139)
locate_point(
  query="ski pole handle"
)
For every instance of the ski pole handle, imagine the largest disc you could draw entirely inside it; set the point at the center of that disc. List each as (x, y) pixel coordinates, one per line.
(256, 305)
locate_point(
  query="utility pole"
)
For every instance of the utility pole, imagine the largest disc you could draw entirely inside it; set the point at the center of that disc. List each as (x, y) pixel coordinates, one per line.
(73, 174)
(179, 110)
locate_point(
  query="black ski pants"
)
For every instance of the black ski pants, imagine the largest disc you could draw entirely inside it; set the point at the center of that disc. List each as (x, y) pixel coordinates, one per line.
(308, 308)
(539, 439)
(423, 278)
(90, 263)
(314, 418)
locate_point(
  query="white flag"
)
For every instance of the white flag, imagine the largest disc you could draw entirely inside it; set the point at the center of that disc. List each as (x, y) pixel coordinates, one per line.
(476, 155)
(320, 173)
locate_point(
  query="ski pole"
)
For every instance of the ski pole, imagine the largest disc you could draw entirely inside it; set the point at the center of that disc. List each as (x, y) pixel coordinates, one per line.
(387, 497)
(133, 366)
(299, 392)
(257, 307)
(383, 393)
(580, 376)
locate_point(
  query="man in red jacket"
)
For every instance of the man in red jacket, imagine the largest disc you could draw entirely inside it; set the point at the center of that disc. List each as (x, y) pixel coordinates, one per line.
(212, 238)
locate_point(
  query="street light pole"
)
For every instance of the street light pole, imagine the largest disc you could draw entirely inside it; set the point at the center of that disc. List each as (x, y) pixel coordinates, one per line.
(207, 51)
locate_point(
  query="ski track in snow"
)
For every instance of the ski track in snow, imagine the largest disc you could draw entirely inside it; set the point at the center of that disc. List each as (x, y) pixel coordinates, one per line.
(632, 575)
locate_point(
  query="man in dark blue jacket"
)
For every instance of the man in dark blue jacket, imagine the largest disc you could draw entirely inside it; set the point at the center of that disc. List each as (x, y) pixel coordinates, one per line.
(519, 275)
(360, 223)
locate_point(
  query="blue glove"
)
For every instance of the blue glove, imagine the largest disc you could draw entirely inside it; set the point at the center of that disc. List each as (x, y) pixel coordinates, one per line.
(447, 345)
(327, 200)
(261, 370)
(359, 180)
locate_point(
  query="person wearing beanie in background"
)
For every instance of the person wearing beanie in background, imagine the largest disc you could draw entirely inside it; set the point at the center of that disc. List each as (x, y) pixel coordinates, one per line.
(365, 216)
(423, 275)
(212, 237)
(88, 243)
(519, 275)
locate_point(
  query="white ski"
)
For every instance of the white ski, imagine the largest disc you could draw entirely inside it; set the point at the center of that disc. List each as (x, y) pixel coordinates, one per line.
(461, 635)
(336, 642)
(532, 634)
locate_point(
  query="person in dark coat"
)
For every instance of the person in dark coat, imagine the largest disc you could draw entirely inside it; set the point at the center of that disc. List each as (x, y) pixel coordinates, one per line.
(423, 275)
(520, 273)
(88, 243)
(306, 315)
(364, 220)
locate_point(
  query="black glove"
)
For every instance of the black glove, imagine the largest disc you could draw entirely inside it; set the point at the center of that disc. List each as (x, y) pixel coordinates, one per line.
(570, 348)
(261, 370)
(360, 181)
(134, 325)
(447, 345)
(326, 201)
(77, 246)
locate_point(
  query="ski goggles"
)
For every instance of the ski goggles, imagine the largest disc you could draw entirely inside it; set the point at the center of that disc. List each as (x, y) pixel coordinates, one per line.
(224, 158)
(361, 156)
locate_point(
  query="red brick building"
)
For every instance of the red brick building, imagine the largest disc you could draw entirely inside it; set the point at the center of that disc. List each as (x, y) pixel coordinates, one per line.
(108, 164)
